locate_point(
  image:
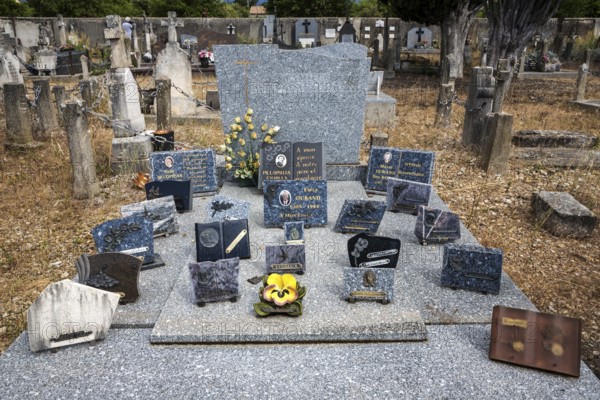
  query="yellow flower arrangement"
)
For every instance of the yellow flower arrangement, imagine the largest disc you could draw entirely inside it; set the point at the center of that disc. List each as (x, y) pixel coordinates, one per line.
(280, 294)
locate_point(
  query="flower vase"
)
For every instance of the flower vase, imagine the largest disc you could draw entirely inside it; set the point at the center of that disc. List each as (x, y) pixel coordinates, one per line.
(204, 62)
(247, 182)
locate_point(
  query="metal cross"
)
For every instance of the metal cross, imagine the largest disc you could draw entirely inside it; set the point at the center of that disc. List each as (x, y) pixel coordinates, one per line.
(245, 63)
(306, 23)
(231, 29)
(172, 23)
(419, 33)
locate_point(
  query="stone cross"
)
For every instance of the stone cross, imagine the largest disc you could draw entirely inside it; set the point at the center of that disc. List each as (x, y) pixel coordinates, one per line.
(43, 39)
(246, 63)
(306, 24)
(114, 34)
(172, 23)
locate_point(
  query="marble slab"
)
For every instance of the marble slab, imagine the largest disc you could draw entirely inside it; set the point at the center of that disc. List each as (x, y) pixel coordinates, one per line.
(436, 226)
(474, 268)
(406, 196)
(129, 235)
(369, 284)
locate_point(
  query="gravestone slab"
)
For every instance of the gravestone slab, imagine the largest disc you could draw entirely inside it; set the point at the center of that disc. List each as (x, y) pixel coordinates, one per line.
(125, 100)
(416, 166)
(360, 216)
(383, 164)
(9, 68)
(195, 165)
(355, 51)
(418, 38)
(562, 215)
(285, 259)
(436, 226)
(369, 251)
(129, 235)
(406, 196)
(329, 94)
(540, 138)
(113, 272)
(375, 284)
(375, 81)
(473, 268)
(220, 240)
(294, 232)
(67, 313)
(173, 63)
(215, 281)
(286, 201)
(181, 191)
(161, 211)
(220, 208)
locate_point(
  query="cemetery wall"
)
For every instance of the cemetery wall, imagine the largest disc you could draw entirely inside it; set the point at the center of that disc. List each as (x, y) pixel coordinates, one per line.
(251, 29)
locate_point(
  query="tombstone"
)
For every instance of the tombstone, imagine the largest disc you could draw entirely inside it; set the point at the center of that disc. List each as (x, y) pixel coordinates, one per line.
(231, 29)
(125, 101)
(221, 208)
(375, 81)
(68, 313)
(44, 60)
(291, 161)
(285, 259)
(195, 165)
(306, 83)
(130, 154)
(215, 281)
(268, 25)
(471, 267)
(375, 60)
(180, 190)
(294, 232)
(370, 251)
(383, 164)
(562, 215)
(359, 216)
(129, 235)
(161, 211)
(347, 33)
(222, 239)
(113, 32)
(416, 166)
(62, 33)
(406, 196)
(44, 107)
(18, 117)
(479, 103)
(372, 284)
(419, 38)
(436, 226)
(307, 32)
(286, 201)
(174, 64)
(113, 272)
(9, 67)
(330, 33)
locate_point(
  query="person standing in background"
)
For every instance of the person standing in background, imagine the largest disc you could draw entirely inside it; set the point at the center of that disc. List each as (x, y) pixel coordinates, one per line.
(128, 29)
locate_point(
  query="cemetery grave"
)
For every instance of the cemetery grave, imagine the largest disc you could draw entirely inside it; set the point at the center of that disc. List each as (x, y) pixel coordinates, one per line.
(415, 307)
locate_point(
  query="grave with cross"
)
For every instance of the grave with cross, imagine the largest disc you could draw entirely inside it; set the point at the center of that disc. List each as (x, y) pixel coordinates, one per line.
(231, 29)
(113, 32)
(307, 32)
(172, 23)
(419, 38)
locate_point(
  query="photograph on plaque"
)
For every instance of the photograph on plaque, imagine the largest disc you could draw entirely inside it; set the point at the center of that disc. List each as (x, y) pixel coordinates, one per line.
(472, 267)
(287, 201)
(360, 216)
(537, 340)
(370, 251)
(406, 196)
(197, 166)
(291, 161)
(383, 164)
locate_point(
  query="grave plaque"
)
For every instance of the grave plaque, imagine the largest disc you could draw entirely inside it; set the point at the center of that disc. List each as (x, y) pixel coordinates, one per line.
(369, 251)
(360, 216)
(291, 161)
(180, 190)
(285, 259)
(294, 232)
(219, 240)
(416, 166)
(472, 267)
(113, 272)
(537, 340)
(129, 235)
(161, 211)
(215, 281)
(67, 313)
(375, 284)
(436, 226)
(221, 208)
(286, 201)
(383, 164)
(406, 196)
(195, 165)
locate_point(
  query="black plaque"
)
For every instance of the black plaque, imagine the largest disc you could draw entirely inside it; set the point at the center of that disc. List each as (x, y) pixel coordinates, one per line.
(406, 196)
(369, 251)
(180, 190)
(308, 161)
(436, 226)
(209, 241)
(220, 240)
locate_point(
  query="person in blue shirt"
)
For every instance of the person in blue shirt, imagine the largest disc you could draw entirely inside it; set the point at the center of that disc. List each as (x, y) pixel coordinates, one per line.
(127, 27)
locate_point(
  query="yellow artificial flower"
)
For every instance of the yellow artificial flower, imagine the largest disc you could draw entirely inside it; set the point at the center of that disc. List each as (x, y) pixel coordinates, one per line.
(228, 141)
(271, 131)
(250, 127)
(239, 128)
(253, 135)
(276, 129)
(264, 127)
(242, 142)
(257, 155)
(242, 164)
(228, 166)
(249, 112)
(268, 139)
(242, 153)
(222, 148)
(237, 120)
(280, 289)
(234, 136)
(256, 165)
(228, 159)
(247, 118)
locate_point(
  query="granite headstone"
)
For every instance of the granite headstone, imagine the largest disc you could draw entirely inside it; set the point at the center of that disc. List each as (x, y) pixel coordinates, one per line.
(220, 208)
(375, 284)
(195, 165)
(286, 201)
(436, 226)
(181, 191)
(215, 281)
(369, 251)
(406, 196)
(472, 267)
(360, 216)
(161, 211)
(383, 164)
(288, 259)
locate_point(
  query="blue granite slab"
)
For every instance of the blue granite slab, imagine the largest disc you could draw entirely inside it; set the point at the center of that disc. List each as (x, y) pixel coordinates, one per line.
(129, 235)
(220, 208)
(436, 226)
(285, 259)
(162, 211)
(196, 165)
(383, 164)
(215, 281)
(286, 201)
(375, 284)
(294, 232)
(406, 196)
(416, 166)
(304, 92)
(471, 267)
(359, 216)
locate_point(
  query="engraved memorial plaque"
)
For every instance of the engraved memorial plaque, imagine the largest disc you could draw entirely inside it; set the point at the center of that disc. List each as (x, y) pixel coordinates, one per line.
(129, 235)
(286, 201)
(220, 240)
(215, 281)
(472, 267)
(291, 161)
(294, 232)
(373, 284)
(285, 259)
(369, 251)
(406, 196)
(360, 216)
(436, 226)
(416, 166)
(180, 190)
(537, 340)
(221, 208)
(383, 164)
(198, 166)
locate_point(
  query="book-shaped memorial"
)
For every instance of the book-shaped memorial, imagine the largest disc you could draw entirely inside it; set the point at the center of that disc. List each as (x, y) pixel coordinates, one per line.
(291, 161)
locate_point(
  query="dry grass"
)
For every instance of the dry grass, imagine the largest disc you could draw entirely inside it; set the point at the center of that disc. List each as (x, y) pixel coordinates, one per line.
(43, 229)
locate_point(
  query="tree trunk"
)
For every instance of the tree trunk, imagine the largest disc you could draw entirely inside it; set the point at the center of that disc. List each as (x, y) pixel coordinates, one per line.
(455, 28)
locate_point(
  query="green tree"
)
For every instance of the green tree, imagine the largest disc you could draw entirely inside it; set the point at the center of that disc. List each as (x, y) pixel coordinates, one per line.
(188, 8)
(11, 8)
(578, 9)
(83, 8)
(308, 8)
(370, 8)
